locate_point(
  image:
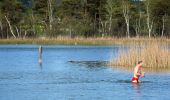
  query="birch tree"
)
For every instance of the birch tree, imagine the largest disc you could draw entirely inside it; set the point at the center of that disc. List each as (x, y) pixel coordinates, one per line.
(1, 29)
(163, 25)
(137, 16)
(137, 24)
(149, 19)
(50, 13)
(110, 11)
(10, 27)
(126, 14)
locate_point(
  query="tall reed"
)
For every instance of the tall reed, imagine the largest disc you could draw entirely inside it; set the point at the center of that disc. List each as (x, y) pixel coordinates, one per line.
(155, 54)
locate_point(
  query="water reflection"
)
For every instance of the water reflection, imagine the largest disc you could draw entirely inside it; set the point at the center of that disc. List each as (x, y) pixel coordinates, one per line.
(137, 90)
(123, 81)
(90, 64)
(136, 87)
(41, 66)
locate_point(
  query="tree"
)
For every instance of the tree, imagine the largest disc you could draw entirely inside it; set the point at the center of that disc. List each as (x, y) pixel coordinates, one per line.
(11, 14)
(113, 13)
(126, 14)
(50, 13)
(36, 18)
(1, 25)
(149, 19)
(110, 10)
(137, 16)
(160, 10)
(76, 17)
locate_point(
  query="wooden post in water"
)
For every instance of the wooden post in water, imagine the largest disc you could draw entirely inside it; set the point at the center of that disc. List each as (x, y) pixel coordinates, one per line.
(40, 55)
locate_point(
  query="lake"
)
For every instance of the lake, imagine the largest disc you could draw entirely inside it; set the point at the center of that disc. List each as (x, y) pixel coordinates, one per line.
(73, 73)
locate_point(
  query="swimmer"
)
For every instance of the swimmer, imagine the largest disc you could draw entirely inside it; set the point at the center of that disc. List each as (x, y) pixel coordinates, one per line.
(138, 72)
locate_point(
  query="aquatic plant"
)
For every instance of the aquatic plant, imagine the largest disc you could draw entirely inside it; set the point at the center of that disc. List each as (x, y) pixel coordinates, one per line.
(155, 54)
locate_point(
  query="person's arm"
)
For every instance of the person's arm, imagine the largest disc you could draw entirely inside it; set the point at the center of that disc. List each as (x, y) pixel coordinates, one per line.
(138, 74)
(142, 74)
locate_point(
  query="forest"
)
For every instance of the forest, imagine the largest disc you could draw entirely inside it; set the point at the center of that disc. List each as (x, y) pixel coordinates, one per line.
(84, 18)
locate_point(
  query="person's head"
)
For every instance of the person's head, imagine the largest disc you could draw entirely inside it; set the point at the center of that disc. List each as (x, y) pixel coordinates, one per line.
(140, 63)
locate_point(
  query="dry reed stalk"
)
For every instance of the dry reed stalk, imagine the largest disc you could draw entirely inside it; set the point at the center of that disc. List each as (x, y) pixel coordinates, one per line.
(154, 54)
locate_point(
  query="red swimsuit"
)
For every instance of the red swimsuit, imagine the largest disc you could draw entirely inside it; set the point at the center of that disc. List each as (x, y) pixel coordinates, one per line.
(135, 79)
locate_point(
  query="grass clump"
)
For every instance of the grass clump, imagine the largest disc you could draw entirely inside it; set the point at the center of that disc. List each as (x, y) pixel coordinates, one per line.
(155, 54)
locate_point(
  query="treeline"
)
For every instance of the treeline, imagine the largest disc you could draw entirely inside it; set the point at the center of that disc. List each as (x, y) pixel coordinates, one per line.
(87, 18)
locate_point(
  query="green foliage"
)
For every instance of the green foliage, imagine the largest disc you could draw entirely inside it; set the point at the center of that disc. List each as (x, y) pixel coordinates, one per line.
(13, 9)
(82, 17)
(160, 9)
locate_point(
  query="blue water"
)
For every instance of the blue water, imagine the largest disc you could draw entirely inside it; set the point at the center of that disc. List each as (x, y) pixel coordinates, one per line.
(73, 73)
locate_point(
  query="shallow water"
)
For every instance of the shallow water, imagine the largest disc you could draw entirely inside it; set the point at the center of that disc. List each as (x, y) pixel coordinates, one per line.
(73, 73)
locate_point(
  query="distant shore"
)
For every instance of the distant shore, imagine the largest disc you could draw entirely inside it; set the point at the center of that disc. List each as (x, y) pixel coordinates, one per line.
(81, 41)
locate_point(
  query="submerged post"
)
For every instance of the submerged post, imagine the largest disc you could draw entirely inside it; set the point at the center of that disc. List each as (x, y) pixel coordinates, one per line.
(40, 55)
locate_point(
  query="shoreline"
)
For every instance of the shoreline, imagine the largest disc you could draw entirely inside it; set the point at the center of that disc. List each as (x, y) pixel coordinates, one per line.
(82, 41)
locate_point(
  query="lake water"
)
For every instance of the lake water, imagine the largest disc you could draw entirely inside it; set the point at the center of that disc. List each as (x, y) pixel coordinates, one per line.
(73, 73)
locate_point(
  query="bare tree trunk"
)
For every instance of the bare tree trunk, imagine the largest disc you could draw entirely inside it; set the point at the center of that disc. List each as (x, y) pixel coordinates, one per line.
(33, 25)
(50, 12)
(12, 32)
(95, 24)
(70, 31)
(137, 28)
(40, 55)
(25, 34)
(17, 31)
(163, 25)
(20, 31)
(128, 33)
(110, 25)
(149, 21)
(126, 16)
(7, 33)
(110, 10)
(138, 25)
(1, 27)
(102, 26)
(105, 27)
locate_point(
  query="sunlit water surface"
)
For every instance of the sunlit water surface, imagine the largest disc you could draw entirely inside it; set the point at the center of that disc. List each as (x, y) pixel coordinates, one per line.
(73, 73)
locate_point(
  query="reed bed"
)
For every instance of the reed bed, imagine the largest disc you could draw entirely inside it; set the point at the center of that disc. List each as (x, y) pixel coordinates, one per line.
(155, 54)
(80, 40)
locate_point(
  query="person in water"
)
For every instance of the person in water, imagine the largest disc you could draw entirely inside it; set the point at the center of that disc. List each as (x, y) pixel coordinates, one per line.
(138, 72)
